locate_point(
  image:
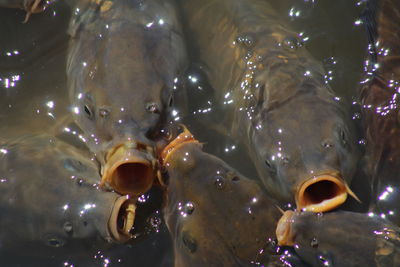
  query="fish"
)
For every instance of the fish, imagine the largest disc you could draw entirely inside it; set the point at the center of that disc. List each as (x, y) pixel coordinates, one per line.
(51, 203)
(123, 62)
(340, 238)
(379, 97)
(279, 101)
(216, 216)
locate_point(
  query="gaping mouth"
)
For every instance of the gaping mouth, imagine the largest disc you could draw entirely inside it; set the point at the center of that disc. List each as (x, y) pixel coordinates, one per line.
(129, 169)
(122, 219)
(322, 193)
(284, 230)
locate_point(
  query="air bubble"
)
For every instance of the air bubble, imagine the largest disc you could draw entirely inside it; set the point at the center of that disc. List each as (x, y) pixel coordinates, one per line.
(189, 208)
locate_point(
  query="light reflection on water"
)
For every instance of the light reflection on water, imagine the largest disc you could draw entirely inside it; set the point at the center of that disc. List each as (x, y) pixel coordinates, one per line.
(33, 95)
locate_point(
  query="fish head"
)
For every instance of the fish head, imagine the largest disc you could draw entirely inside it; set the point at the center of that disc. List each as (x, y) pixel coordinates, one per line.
(56, 202)
(121, 100)
(309, 155)
(327, 239)
(201, 189)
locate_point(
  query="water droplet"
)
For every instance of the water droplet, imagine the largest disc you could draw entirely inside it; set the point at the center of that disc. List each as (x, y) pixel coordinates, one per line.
(189, 208)
(219, 182)
(319, 215)
(314, 242)
(68, 227)
(80, 181)
(291, 43)
(155, 222)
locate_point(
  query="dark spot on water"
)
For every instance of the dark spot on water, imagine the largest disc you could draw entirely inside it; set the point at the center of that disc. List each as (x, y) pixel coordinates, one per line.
(219, 182)
(68, 227)
(189, 242)
(74, 165)
(85, 223)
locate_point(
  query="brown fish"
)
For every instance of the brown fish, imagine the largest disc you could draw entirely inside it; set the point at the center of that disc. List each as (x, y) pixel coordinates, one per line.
(381, 113)
(50, 199)
(216, 216)
(123, 60)
(280, 101)
(340, 239)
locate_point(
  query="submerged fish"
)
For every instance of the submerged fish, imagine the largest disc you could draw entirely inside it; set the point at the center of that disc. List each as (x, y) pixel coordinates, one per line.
(381, 113)
(51, 204)
(340, 239)
(216, 216)
(123, 60)
(281, 101)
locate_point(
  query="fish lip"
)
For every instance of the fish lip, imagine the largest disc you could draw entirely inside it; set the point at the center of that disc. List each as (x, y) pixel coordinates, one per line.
(183, 138)
(129, 204)
(284, 233)
(126, 158)
(337, 189)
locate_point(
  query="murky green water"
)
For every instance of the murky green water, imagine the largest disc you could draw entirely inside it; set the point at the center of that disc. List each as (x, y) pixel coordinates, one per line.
(34, 98)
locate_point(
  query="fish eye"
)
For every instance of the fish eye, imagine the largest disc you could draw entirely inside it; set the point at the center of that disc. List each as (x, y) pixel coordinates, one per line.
(88, 111)
(103, 112)
(270, 166)
(343, 137)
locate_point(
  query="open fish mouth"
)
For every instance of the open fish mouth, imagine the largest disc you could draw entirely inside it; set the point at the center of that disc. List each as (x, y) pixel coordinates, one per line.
(129, 169)
(284, 232)
(322, 193)
(181, 139)
(122, 219)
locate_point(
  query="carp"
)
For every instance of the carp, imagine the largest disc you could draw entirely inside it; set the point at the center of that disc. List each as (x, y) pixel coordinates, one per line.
(340, 238)
(123, 61)
(276, 100)
(50, 200)
(380, 109)
(216, 216)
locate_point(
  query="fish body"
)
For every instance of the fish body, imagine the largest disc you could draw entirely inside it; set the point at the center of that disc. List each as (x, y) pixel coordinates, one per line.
(341, 238)
(216, 216)
(123, 59)
(50, 202)
(381, 114)
(281, 101)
